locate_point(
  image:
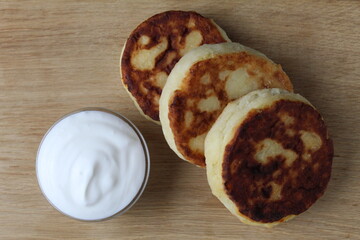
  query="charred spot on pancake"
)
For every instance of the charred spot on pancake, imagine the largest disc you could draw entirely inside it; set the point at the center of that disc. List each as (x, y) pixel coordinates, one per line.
(153, 49)
(266, 186)
(208, 87)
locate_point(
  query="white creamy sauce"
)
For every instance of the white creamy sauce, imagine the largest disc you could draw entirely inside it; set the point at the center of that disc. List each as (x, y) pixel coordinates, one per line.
(91, 165)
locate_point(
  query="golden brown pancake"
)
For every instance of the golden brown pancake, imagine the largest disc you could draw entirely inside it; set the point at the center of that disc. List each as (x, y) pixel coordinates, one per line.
(268, 156)
(202, 83)
(154, 47)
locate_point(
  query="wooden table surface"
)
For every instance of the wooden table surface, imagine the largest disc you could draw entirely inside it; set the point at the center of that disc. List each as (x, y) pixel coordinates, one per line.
(56, 57)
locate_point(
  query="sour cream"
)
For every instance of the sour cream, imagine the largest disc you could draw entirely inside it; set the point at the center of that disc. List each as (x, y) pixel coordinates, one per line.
(92, 164)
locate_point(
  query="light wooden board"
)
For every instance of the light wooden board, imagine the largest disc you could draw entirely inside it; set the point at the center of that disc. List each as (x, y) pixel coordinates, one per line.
(56, 57)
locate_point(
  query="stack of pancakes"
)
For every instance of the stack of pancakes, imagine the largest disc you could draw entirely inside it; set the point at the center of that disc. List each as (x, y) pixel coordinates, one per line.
(230, 108)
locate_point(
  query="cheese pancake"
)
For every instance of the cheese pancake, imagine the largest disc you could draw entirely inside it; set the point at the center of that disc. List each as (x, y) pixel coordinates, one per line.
(202, 83)
(154, 47)
(268, 156)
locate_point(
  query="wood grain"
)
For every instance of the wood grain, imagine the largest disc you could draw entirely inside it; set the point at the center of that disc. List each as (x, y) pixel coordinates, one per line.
(56, 57)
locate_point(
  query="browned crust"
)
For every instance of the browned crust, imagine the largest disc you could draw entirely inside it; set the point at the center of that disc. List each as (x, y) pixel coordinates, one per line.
(173, 26)
(193, 91)
(246, 179)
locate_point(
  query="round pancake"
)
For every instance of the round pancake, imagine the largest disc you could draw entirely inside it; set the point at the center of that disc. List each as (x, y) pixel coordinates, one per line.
(202, 83)
(268, 156)
(154, 47)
